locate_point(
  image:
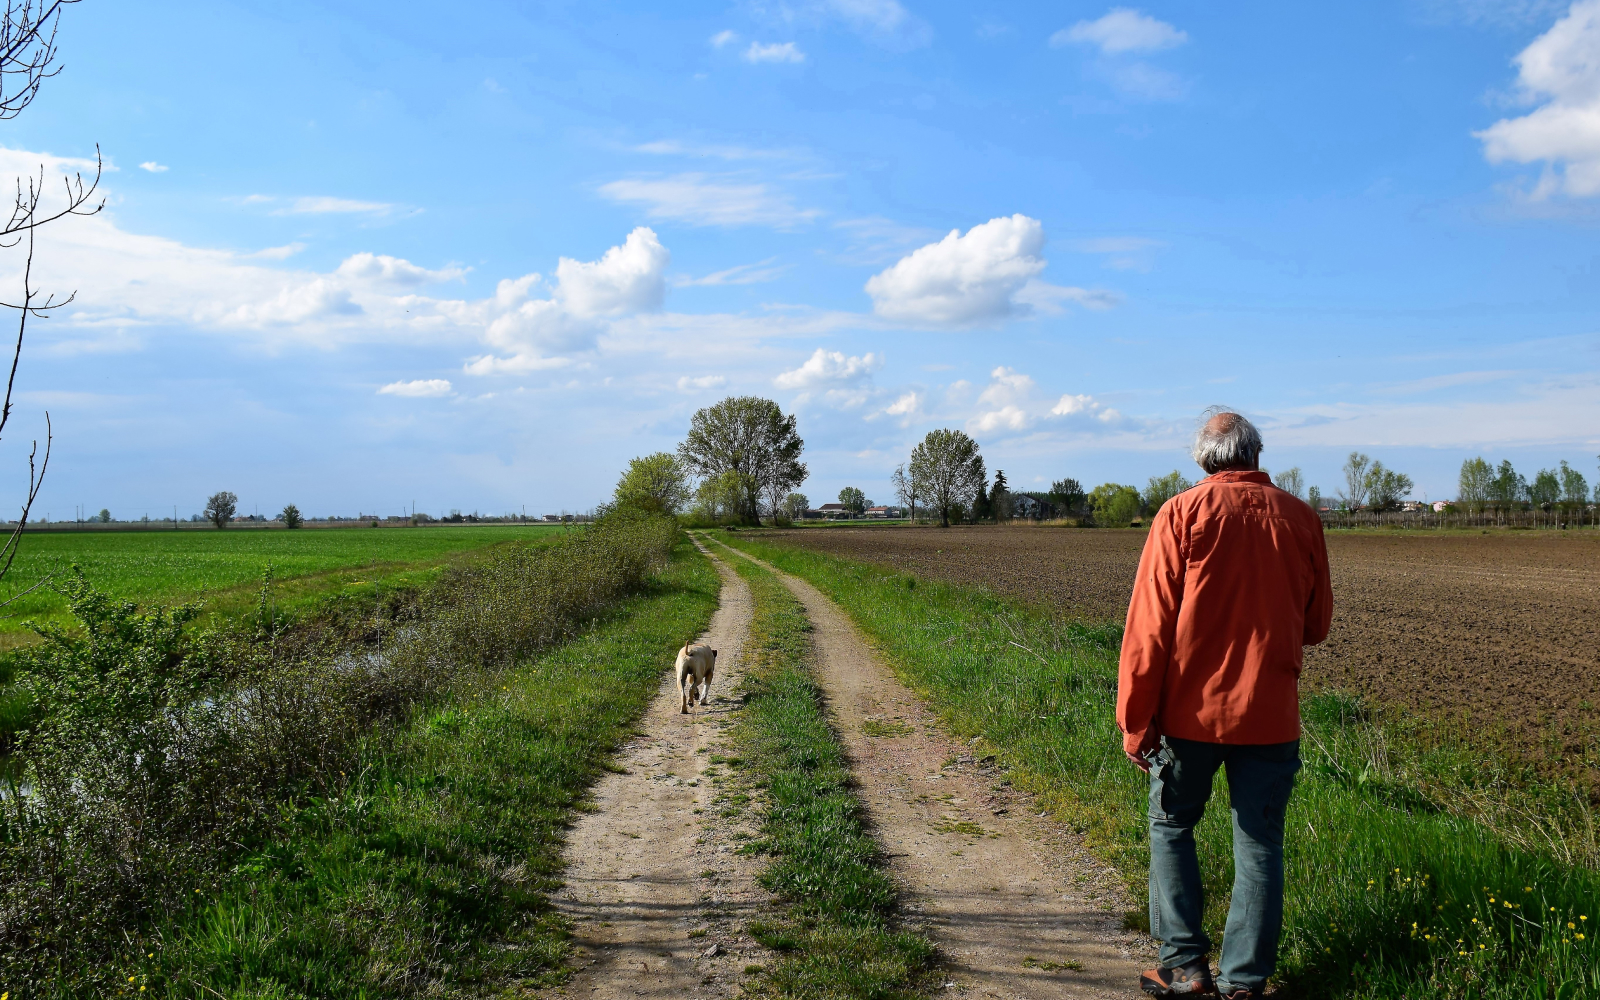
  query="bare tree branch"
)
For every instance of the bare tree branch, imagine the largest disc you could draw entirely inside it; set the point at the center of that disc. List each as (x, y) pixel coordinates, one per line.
(27, 51)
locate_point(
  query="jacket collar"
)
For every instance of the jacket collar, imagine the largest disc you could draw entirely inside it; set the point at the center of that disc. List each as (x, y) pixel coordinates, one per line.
(1239, 476)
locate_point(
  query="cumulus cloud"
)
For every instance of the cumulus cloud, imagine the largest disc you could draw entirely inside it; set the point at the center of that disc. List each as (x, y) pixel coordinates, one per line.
(701, 383)
(703, 200)
(1561, 68)
(775, 52)
(987, 274)
(388, 270)
(417, 388)
(153, 167)
(1122, 29)
(1084, 406)
(830, 369)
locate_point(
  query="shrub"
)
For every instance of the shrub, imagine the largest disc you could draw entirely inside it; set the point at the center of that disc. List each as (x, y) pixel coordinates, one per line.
(291, 516)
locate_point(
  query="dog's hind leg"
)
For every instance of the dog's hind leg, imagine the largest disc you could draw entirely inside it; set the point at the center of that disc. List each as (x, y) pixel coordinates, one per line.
(685, 684)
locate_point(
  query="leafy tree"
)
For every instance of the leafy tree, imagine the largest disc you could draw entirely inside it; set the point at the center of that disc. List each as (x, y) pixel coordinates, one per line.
(854, 500)
(1574, 489)
(906, 489)
(1114, 505)
(795, 506)
(291, 516)
(105, 516)
(721, 498)
(1508, 488)
(1355, 480)
(751, 438)
(655, 484)
(1000, 499)
(1385, 488)
(950, 470)
(1291, 482)
(1314, 497)
(1068, 493)
(1160, 489)
(1474, 488)
(1545, 488)
(220, 507)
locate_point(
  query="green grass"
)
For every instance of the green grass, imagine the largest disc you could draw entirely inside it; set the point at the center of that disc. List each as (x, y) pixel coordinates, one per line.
(837, 938)
(225, 566)
(1388, 882)
(428, 872)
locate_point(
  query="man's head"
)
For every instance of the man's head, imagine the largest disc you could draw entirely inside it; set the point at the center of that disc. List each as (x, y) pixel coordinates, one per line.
(1226, 440)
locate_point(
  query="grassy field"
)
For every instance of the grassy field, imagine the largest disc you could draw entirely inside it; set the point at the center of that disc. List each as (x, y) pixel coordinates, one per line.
(1400, 884)
(225, 567)
(838, 938)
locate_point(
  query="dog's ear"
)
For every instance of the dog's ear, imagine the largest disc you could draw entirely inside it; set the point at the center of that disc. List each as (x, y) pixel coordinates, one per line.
(713, 654)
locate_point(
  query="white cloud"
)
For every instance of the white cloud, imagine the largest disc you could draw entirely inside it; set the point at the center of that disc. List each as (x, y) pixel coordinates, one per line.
(962, 279)
(388, 270)
(153, 167)
(885, 21)
(742, 274)
(675, 147)
(701, 383)
(279, 253)
(829, 368)
(706, 201)
(907, 405)
(628, 278)
(723, 38)
(1048, 298)
(327, 206)
(775, 52)
(1122, 30)
(1562, 69)
(1084, 406)
(418, 388)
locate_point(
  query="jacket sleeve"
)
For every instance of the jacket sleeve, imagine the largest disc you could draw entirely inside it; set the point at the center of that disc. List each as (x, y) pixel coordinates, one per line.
(1152, 627)
(1319, 608)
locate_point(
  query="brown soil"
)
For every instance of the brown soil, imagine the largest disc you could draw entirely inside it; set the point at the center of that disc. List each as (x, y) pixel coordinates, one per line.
(657, 894)
(1503, 626)
(1015, 905)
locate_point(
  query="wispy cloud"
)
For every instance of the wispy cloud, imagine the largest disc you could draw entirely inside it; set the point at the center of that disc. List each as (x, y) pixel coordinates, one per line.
(706, 200)
(323, 205)
(774, 52)
(1120, 30)
(676, 147)
(742, 274)
(418, 388)
(153, 167)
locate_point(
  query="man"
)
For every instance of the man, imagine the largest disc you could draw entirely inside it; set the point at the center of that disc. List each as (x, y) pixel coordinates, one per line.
(1232, 583)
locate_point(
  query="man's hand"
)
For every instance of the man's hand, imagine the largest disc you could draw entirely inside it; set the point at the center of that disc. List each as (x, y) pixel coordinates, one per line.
(1135, 749)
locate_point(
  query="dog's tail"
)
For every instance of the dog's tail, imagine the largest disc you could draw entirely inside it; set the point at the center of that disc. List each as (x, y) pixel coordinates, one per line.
(687, 644)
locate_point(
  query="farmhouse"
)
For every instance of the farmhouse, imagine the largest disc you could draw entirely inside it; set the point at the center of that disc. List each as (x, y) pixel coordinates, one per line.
(879, 512)
(1032, 508)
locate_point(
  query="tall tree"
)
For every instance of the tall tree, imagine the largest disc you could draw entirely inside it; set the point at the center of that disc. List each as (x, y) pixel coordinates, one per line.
(220, 507)
(1509, 489)
(795, 506)
(1385, 487)
(907, 489)
(656, 484)
(751, 438)
(1574, 490)
(1000, 499)
(1545, 488)
(950, 469)
(1355, 480)
(1291, 482)
(1160, 489)
(854, 501)
(1314, 498)
(1476, 481)
(1067, 492)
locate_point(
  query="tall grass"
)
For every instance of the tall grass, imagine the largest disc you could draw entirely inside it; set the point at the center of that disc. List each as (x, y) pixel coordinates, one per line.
(838, 937)
(163, 754)
(1395, 887)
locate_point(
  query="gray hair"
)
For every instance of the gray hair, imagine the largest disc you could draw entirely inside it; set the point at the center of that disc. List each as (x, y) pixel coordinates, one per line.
(1225, 440)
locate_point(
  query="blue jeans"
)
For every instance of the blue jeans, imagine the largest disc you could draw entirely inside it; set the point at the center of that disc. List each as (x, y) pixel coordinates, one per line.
(1260, 779)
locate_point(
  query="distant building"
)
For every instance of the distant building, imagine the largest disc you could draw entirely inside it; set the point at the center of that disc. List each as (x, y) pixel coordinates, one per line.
(552, 517)
(834, 510)
(1032, 508)
(1440, 506)
(879, 512)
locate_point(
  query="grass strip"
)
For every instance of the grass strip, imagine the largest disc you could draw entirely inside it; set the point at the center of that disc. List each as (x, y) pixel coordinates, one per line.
(429, 872)
(1388, 894)
(838, 937)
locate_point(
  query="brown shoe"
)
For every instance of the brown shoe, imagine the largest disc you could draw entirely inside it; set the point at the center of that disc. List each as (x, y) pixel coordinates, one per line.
(1191, 980)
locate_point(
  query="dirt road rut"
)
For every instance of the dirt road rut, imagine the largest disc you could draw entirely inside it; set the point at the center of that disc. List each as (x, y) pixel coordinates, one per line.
(658, 898)
(1014, 904)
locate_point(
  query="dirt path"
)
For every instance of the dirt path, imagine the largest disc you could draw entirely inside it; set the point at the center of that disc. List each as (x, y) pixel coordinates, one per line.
(658, 898)
(1016, 907)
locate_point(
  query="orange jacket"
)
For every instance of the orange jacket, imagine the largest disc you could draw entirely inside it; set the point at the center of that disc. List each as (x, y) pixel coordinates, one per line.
(1232, 583)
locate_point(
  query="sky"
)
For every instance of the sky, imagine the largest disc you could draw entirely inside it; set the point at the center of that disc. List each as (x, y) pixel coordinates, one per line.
(362, 257)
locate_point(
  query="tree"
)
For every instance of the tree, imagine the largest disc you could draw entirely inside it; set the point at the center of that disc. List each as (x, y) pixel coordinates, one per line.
(854, 500)
(1574, 490)
(105, 516)
(1473, 488)
(1000, 500)
(1385, 487)
(1509, 489)
(950, 470)
(291, 516)
(906, 489)
(1068, 493)
(1355, 481)
(721, 498)
(27, 59)
(1545, 489)
(750, 437)
(655, 484)
(795, 506)
(1160, 489)
(219, 509)
(1291, 482)
(1114, 505)
(1314, 498)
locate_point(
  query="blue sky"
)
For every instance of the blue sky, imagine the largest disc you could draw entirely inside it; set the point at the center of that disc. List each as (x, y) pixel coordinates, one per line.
(363, 255)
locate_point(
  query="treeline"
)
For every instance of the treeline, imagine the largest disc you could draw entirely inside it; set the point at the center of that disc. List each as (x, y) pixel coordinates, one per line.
(1484, 487)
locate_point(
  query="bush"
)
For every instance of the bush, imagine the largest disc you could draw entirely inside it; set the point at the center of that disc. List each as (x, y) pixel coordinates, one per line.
(162, 751)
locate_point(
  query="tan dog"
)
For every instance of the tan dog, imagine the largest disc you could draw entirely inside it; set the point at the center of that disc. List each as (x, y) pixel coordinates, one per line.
(696, 665)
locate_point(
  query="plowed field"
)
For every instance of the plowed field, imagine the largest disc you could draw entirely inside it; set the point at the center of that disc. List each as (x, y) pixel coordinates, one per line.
(1502, 627)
